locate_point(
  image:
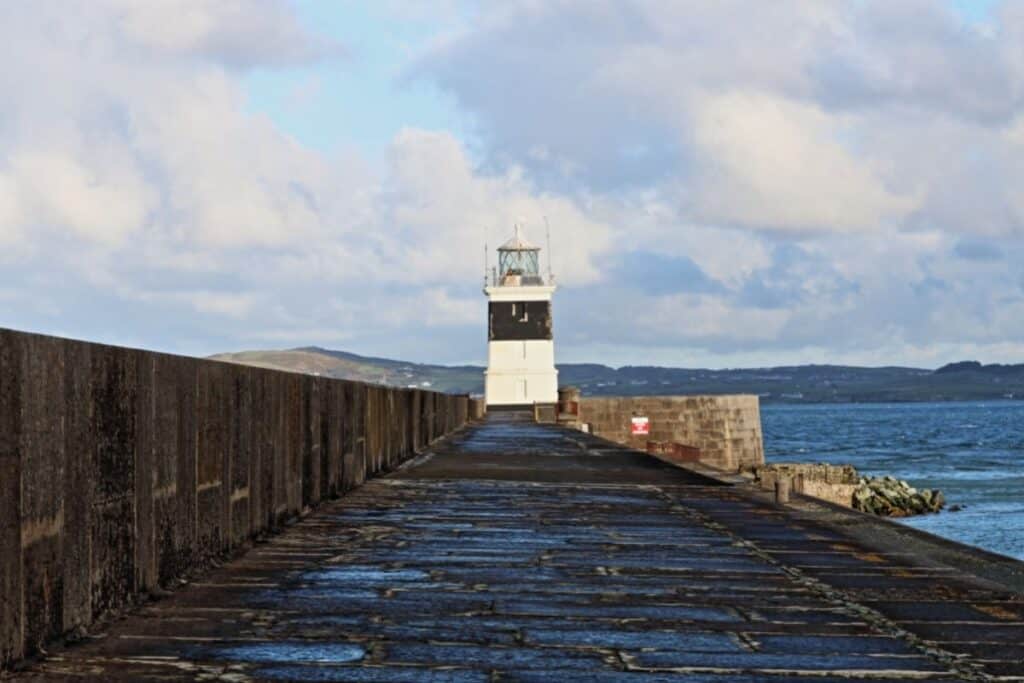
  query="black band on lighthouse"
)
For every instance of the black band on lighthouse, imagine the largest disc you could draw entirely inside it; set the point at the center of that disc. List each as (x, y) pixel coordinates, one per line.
(519, 320)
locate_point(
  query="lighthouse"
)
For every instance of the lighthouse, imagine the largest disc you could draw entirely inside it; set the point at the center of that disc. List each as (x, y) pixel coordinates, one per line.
(520, 345)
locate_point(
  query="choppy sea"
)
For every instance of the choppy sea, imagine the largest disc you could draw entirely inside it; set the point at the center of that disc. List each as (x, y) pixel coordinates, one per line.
(973, 452)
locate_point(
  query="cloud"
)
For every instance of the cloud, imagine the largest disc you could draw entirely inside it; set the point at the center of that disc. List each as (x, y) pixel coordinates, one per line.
(766, 162)
(231, 32)
(656, 274)
(918, 54)
(97, 199)
(438, 210)
(795, 277)
(825, 116)
(115, 130)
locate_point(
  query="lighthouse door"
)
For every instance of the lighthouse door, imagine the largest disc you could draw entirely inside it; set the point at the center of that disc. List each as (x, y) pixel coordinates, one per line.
(520, 390)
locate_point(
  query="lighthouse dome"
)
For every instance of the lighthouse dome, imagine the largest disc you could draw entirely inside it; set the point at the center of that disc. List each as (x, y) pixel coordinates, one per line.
(517, 243)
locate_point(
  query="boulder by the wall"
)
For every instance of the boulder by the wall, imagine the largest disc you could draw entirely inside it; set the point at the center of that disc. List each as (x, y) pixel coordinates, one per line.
(890, 497)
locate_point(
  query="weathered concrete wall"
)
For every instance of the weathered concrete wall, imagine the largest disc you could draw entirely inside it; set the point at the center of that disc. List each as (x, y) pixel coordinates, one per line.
(121, 470)
(834, 483)
(727, 429)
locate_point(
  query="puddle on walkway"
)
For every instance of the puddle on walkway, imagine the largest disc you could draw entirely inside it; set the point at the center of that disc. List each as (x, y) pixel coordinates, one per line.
(366, 574)
(290, 653)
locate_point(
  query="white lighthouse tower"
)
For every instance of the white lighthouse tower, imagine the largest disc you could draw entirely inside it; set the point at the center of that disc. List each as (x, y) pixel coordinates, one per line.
(520, 347)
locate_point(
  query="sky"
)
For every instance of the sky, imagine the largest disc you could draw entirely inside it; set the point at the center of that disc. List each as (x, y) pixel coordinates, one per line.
(729, 183)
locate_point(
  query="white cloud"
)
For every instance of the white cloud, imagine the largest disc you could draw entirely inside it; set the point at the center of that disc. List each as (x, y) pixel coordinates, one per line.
(766, 162)
(439, 211)
(121, 136)
(231, 32)
(222, 303)
(792, 115)
(710, 320)
(101, 200)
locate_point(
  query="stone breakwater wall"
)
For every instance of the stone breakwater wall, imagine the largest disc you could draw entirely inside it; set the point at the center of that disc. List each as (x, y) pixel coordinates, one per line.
(842, 485)
(834, 483)
(123, 470)
(726, 429)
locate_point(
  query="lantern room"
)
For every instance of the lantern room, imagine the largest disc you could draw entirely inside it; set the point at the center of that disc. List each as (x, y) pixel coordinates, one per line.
(518, 263)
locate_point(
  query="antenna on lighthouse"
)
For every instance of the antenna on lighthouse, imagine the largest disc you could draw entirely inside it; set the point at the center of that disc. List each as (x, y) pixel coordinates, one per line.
(547, 228)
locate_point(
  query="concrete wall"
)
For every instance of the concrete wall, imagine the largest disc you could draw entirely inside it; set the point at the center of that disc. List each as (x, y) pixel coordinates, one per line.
(727, 429)
(121, 470)
(834, 483)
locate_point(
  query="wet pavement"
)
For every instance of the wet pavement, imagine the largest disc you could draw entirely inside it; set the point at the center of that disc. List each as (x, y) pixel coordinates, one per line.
(522, 552)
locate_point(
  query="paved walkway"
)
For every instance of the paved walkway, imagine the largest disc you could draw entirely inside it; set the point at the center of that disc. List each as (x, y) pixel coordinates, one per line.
(521, 552)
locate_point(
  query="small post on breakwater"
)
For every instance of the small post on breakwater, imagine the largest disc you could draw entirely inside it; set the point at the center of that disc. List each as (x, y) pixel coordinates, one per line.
(783, 485)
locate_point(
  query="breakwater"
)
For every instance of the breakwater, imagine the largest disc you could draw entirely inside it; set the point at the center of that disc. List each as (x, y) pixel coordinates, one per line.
(122, 470)
(530, 552)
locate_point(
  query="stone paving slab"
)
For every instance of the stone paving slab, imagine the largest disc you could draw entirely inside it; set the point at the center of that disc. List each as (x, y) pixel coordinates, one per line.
(512, 553)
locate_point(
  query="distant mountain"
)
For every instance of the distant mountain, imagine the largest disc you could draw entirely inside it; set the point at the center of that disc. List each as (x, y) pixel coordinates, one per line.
(974, 367)
(967, 380)
(318, 361)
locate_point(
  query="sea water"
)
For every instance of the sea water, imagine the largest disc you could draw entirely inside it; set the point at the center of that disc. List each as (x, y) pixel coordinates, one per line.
(973, 452)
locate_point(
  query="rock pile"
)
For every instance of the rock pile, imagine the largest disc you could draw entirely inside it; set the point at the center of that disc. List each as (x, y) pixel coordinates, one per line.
(892, 497)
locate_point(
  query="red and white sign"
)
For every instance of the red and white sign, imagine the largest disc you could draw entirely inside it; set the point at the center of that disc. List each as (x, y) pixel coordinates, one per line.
(641, 426)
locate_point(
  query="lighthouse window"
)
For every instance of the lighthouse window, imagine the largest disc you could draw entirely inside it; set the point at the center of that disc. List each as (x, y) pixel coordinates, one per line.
(523, 262)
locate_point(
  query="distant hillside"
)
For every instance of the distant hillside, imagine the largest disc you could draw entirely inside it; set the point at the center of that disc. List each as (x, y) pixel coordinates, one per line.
(317, 361)
(968, 380)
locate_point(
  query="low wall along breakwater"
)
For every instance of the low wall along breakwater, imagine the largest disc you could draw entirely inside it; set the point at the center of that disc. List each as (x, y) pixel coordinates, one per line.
(726, 430)
(122, 471)
(842, 485)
